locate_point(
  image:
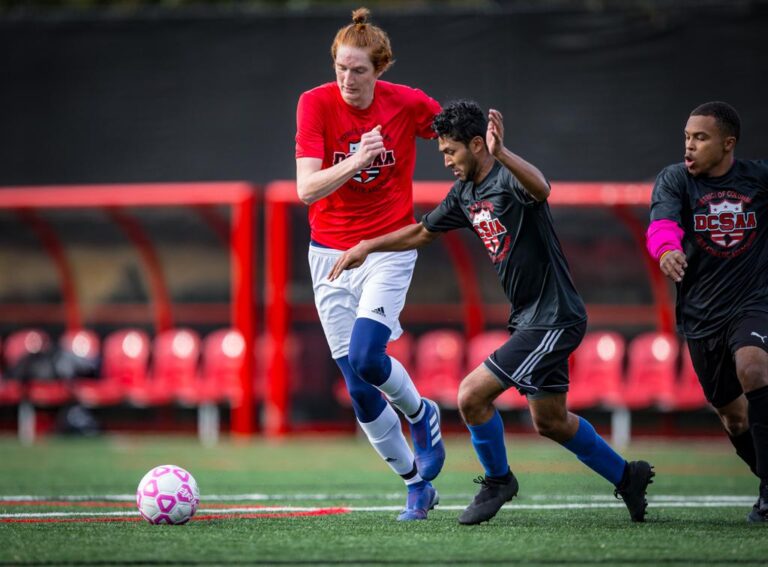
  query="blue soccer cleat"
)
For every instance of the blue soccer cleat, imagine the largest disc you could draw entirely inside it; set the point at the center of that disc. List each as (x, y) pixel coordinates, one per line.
(428, 446)
(422, 497)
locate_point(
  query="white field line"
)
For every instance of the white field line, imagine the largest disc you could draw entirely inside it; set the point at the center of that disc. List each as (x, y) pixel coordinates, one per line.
(397, 496)
(663, 501)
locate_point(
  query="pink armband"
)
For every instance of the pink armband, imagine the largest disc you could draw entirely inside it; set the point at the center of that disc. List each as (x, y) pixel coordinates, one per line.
(662, 236)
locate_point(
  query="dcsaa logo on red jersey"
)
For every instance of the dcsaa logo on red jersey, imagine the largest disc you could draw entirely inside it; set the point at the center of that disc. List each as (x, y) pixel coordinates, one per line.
(726, 222)
(489, 228)
(387, 159)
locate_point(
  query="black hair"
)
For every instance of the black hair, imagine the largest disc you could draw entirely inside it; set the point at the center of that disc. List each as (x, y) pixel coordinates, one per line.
(725, 115)
(461, 120)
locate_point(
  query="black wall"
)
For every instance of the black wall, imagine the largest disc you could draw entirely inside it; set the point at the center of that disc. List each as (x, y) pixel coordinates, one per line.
(182, 96)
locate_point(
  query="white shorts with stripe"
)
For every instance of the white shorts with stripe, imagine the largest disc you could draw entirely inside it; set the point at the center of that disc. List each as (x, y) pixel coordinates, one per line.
(536, 360)
(376, 290)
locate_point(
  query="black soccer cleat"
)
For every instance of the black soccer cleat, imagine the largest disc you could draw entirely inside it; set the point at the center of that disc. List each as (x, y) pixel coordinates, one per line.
(638, 476)
(494, 493)
(759, 512)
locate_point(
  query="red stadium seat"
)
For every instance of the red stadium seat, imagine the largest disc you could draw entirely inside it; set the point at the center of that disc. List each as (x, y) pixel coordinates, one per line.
(10, 392)
(402, 350)
(218, 381)
(596, 371)
(480, 346)
(23, 343)
(440, 365)
(478, 349)
(175, 356)
(124, 367)
(82, 343)
(651, 371)
(688, 394)
(44, 389)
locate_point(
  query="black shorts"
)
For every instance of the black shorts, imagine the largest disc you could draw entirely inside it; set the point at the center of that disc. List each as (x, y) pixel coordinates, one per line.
(536, 361)
(713, 357)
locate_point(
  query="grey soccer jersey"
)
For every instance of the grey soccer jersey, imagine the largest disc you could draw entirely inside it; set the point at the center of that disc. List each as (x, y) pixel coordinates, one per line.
(520, 239)
(725, 242)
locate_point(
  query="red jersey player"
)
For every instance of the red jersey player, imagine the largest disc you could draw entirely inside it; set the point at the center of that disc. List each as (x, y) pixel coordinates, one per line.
(355, 155)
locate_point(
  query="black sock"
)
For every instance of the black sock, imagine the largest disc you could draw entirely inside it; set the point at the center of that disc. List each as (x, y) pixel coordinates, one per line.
(624, 476)
(745, 449)
(758, 424)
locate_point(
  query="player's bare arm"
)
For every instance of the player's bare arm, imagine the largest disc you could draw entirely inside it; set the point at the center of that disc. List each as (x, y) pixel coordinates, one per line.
(673, 264)
(407, 238)
(313, 182)
(528, 174)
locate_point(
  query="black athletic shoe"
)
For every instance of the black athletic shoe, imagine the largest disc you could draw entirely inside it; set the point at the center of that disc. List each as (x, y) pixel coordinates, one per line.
(759, 511)
(494, 493)
(637, 477)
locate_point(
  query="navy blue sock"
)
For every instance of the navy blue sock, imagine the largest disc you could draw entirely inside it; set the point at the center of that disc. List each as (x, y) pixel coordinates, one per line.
(367, 401)
(488, 441)
(368, 351)
(594, 452)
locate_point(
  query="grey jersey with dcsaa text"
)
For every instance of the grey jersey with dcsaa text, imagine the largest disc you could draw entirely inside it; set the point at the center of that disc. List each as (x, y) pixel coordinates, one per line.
(520, 239)
(725, 242)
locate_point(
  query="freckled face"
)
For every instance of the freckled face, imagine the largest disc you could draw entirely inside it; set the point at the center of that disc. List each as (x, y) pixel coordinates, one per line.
(355, 76)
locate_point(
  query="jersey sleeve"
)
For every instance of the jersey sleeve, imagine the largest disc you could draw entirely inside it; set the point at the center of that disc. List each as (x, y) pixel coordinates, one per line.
(667, 196)
(520, 193)
(446, 216)
(309, 128)
(763, 165)
(425, 110)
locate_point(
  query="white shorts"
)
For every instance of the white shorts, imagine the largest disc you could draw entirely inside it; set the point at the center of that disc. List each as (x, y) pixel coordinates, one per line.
(376, 290)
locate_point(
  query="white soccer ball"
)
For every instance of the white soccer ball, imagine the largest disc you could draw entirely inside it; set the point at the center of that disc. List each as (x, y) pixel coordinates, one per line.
(167, 495)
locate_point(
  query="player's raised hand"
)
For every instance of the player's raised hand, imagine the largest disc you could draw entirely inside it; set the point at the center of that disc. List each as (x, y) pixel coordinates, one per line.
(371, 146)
(352, 258)
(673, 264)
(494, 136)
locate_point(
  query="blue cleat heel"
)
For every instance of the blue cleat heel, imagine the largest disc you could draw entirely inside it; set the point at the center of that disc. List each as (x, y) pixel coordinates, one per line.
(420, 501)
(428, 446)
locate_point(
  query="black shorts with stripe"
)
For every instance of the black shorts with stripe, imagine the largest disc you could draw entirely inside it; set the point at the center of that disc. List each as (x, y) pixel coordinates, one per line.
(713, 357)
(536, 360)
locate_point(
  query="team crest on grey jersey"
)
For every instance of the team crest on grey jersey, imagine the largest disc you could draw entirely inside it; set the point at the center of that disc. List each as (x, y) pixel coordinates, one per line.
(490, 230)
(726, 222)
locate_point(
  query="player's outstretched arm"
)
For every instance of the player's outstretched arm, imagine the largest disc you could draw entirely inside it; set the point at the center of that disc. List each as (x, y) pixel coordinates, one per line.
(407, 238)
(313, 182)
(529, 175)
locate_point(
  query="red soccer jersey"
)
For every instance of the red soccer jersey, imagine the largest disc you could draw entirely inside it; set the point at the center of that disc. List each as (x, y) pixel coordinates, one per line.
(379, 199)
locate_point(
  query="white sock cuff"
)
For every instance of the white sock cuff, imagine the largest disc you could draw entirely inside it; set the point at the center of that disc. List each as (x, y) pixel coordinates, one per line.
(419, 415)
(413, 480)
(379, 427)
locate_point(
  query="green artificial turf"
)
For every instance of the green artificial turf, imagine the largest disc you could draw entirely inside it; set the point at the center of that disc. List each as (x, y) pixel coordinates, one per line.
(565, 514)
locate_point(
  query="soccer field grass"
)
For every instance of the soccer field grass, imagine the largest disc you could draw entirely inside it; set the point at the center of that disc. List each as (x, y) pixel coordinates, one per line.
(330, 500)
